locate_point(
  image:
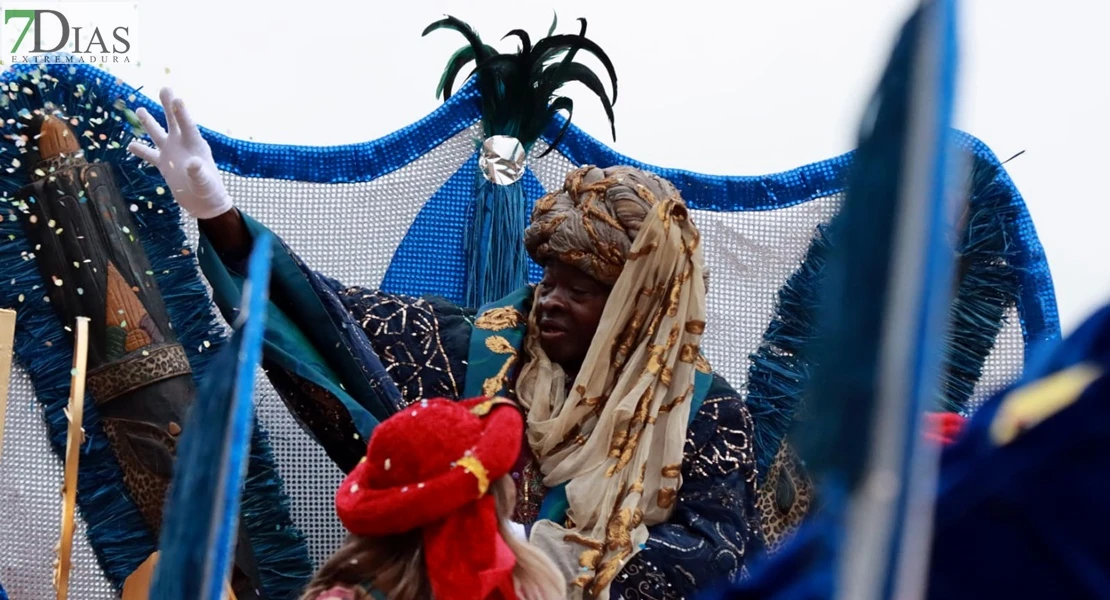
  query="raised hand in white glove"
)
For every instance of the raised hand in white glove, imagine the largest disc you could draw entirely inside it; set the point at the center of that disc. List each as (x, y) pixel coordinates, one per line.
(184, 159)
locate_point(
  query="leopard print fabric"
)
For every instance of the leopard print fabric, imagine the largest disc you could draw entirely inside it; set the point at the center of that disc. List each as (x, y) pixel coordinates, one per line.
(138, 369)
(784, 499)
(145, 453)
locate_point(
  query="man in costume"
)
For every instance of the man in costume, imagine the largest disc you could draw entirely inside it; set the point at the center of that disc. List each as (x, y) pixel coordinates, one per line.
(638, 475)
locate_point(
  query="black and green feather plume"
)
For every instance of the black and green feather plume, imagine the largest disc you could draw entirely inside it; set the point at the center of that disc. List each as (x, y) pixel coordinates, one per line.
(519, 91)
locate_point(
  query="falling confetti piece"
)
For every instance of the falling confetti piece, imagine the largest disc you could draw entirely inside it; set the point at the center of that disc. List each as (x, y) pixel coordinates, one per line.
(57, 282)
(206, 344)
(134, 208)
(21, 297)
(160, 190)
(80, 291)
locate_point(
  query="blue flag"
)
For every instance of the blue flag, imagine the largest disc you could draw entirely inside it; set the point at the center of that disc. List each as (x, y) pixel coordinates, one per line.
(883, 315)
(198, 539)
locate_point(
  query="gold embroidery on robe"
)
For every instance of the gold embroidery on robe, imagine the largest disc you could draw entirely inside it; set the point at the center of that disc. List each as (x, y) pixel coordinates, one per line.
(498, 319)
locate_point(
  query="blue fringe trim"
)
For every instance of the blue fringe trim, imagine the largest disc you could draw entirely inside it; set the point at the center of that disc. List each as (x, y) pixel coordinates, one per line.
(202, 509)
(279, 547)
(781, 368)
(3, 594)
(496, 261)
(989, 284)
(116, 531)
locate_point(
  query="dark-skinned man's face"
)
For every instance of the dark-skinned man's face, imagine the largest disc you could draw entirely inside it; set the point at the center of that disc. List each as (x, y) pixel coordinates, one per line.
(569, 309)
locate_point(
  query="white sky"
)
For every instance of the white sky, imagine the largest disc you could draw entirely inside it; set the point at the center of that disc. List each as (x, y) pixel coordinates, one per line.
(737, 88)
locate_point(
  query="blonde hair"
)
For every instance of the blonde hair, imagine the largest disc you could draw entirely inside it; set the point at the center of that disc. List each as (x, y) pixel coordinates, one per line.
(395, 564)
(535, 576)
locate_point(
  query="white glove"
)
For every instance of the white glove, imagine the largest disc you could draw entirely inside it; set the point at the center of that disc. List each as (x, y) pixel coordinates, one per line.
(184, 159)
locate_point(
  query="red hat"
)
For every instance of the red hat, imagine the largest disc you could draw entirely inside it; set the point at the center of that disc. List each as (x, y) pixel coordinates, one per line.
(429, 467)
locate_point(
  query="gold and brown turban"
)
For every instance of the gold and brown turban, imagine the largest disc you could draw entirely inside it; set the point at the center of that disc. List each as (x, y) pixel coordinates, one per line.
(591, 223)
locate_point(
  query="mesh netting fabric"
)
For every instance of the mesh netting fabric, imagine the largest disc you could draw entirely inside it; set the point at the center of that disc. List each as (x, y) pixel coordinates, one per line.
(750, 254)
(364, 223)
(31, 508)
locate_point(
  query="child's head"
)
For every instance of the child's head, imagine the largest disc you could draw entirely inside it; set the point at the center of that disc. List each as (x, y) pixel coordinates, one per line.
(429, 506)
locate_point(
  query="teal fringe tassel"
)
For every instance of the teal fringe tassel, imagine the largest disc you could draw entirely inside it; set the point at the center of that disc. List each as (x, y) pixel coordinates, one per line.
(279, 547)
(496, 261)
(116, 531)
(3, 594)
(988, 286)
(200, 524)
(781, 368)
